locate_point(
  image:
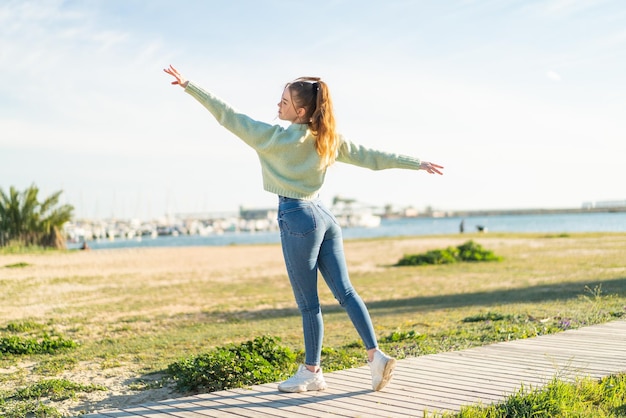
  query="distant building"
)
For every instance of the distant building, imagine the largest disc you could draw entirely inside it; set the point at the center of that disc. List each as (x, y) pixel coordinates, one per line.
(256, 214)
(258, 219)
(605, 204)
(410, 212)
(611, 204)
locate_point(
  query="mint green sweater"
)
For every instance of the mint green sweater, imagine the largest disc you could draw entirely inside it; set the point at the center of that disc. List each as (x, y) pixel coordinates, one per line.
(290, 163)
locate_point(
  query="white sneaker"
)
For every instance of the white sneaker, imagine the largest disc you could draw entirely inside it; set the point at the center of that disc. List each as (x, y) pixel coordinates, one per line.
(382, 369)
(303, 380)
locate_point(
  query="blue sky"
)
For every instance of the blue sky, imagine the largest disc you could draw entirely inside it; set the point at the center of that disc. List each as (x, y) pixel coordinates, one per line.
(523, 102)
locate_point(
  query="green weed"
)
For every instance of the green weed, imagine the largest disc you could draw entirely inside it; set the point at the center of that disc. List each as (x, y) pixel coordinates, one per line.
(19, 248)
(18, 345)
(489, 316)
(399, 336)
(54, 366)
(16, 265)
(27, 409)
(23, 326)
(54, 389)
(340, 358)
(148, 384)
(30, 401)
(32, 338)
(583, 398)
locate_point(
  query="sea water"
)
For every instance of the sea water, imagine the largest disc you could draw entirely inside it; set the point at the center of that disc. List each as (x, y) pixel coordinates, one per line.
(541, 223)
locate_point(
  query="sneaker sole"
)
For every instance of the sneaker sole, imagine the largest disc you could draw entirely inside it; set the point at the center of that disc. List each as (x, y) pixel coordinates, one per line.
(300, 389)
(387, 374)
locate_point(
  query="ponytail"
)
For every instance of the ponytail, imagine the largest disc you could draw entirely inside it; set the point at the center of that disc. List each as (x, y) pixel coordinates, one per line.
(313, 95)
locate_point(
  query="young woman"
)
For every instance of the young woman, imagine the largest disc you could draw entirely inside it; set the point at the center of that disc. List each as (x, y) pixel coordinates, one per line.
(294, 161)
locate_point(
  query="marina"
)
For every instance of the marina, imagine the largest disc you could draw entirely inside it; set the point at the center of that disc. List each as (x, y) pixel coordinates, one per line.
(232, 231)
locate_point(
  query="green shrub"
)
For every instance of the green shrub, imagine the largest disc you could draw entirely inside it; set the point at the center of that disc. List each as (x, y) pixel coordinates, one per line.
(472, 251)
(469, 251)
(23, 345)
(259, 361)
(446, 256)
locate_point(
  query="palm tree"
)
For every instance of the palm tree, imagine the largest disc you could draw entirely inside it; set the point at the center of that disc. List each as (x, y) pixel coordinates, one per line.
(27, 221)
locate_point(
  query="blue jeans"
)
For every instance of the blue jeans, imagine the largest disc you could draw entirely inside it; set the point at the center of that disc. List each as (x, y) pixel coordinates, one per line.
(311, 241)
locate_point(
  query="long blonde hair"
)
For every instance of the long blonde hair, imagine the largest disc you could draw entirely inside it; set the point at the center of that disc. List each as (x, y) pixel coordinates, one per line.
(312, 94)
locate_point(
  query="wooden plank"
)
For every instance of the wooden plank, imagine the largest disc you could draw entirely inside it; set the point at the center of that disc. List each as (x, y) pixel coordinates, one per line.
(508, 381)
(185, 410)
(244, 406)
(588, 349)
(214, 405)
(422, 393)
(532, 361)
(458, 384)
(460, 379)
(336, 398)
(591, 351)
(560, 358)
(580, 345)
(365, 403)
(283, 405)
(195, 410)
(390, 395)
(248, 405)
(607, 326)
(612, 339)
(468, 372)
(140, 411)
(538, 372)
(501, 368)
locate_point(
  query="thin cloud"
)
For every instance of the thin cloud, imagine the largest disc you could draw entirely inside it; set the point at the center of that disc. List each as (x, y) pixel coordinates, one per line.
(567, 7)
(553, 75)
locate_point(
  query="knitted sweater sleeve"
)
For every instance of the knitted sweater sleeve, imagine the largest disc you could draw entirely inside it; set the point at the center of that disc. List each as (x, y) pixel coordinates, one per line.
(361, 156)
(253, 132)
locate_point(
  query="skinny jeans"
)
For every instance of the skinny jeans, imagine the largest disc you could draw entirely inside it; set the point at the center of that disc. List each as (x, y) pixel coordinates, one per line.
(312, 241)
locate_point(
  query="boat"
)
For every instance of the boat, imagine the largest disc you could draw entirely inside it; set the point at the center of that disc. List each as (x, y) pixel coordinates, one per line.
(352, 214)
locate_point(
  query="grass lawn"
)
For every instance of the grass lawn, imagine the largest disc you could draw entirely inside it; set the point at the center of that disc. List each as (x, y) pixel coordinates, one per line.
(135, 311)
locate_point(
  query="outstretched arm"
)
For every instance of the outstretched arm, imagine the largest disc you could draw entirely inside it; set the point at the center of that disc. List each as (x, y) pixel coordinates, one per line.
(431, 168)
(180, 80)
(361, 156)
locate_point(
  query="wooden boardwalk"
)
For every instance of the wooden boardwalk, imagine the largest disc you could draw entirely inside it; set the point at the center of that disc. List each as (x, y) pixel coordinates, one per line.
(432, 383)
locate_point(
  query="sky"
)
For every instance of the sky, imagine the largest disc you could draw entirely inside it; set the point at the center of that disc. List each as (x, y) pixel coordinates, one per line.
(523, 102)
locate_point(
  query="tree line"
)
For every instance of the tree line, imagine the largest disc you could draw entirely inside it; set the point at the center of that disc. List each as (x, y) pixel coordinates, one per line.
(27, 220)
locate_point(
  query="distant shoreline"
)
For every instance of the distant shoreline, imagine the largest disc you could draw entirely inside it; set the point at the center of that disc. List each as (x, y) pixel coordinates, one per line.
(499, 212)
(537, 222)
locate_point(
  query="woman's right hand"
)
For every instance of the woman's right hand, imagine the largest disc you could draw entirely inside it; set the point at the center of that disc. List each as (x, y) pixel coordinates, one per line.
(431, 168)
(180, 80)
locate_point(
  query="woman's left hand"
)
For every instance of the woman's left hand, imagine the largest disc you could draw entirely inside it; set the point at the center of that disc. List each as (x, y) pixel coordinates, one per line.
(180, 80)
(431, 168)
